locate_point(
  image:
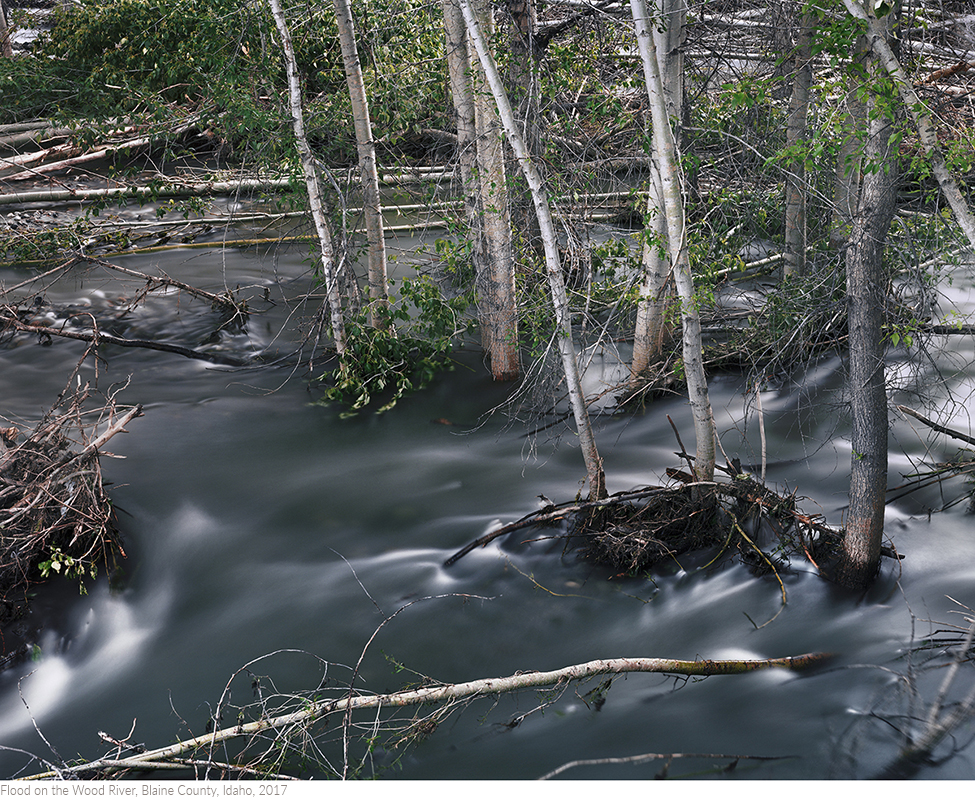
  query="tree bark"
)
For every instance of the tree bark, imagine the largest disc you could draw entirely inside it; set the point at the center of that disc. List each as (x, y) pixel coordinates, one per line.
(522, 89)
(560, 302)
(485, 202)
(866, 290)
(795, 179)
(310, 171)
(652, 329)
(6, 48)
(495, 288)
(656, 291)
(368, 172)
(665, 155)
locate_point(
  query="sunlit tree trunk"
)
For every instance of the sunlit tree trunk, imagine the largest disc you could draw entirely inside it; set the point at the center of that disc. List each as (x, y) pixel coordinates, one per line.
(483, 175)
(795, 180)
(560, 303)
(310, 171)
(866, 290)
(6, 49)
(652, 329)
(656, 291)
(368, 172)
(665, 156)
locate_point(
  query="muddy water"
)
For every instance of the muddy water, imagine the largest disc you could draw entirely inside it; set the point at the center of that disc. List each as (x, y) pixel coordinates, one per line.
(256, 522)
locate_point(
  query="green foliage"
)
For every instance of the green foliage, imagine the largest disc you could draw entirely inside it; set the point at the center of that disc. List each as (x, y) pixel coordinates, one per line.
(221, 58)
(385, 364)
(60, 563)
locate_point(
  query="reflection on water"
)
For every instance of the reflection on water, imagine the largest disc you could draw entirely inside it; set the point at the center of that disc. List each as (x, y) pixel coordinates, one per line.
(255, 521)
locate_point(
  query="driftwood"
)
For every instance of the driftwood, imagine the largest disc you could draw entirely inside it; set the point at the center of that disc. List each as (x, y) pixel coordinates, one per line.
(318, 711)
(10, 318)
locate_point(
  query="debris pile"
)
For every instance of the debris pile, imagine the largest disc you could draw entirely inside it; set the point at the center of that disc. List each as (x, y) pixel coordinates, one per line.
(55, 515)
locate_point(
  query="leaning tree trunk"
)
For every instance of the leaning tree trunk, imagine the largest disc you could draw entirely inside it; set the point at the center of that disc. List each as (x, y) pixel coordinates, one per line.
(652, 326)
(860, 558)
(665, 156)
(368, 173)
(795, 179)
(560, 302)
(332, 293)
(877, 40)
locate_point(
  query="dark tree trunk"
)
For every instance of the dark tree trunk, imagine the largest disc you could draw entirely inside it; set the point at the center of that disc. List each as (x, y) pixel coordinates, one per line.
(866, 289)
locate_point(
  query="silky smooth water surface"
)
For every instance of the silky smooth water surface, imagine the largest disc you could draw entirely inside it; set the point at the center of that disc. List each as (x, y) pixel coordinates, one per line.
(255, 521)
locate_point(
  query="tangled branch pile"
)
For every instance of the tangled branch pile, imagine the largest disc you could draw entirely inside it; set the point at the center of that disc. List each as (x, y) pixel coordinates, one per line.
(55, 515)
(632, 532)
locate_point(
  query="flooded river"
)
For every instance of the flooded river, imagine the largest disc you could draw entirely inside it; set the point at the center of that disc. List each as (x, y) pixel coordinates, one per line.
(256, 522)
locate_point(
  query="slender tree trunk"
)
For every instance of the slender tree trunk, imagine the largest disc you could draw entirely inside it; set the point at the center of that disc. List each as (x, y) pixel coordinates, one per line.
(665, 155)
(560, 303)
(488, 203)
(6, 49)
(922, 121)
(846, 186)
(795, 181)
(522, 88)
(368, 173)
(866, 290)
(652, 329)
(669, 37)
(656, 291)
(311, 180)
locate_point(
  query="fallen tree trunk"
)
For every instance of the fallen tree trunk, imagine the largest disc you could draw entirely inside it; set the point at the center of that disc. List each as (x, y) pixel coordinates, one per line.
(175, 189)
(318, 711)
(8, 316)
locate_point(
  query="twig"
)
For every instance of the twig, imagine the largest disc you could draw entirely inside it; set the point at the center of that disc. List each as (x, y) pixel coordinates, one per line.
(644, 757)
(550, 514)
(935, 426)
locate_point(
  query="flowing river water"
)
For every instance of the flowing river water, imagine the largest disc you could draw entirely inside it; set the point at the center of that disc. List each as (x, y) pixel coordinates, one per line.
(256, 522)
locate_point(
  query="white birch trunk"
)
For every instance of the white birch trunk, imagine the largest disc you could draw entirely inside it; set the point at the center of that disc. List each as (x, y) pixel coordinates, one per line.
(560, 303)
(652, 329)
(311, 180)
(665, 154)
(368, 173)
(922, 120)
(6, 48)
